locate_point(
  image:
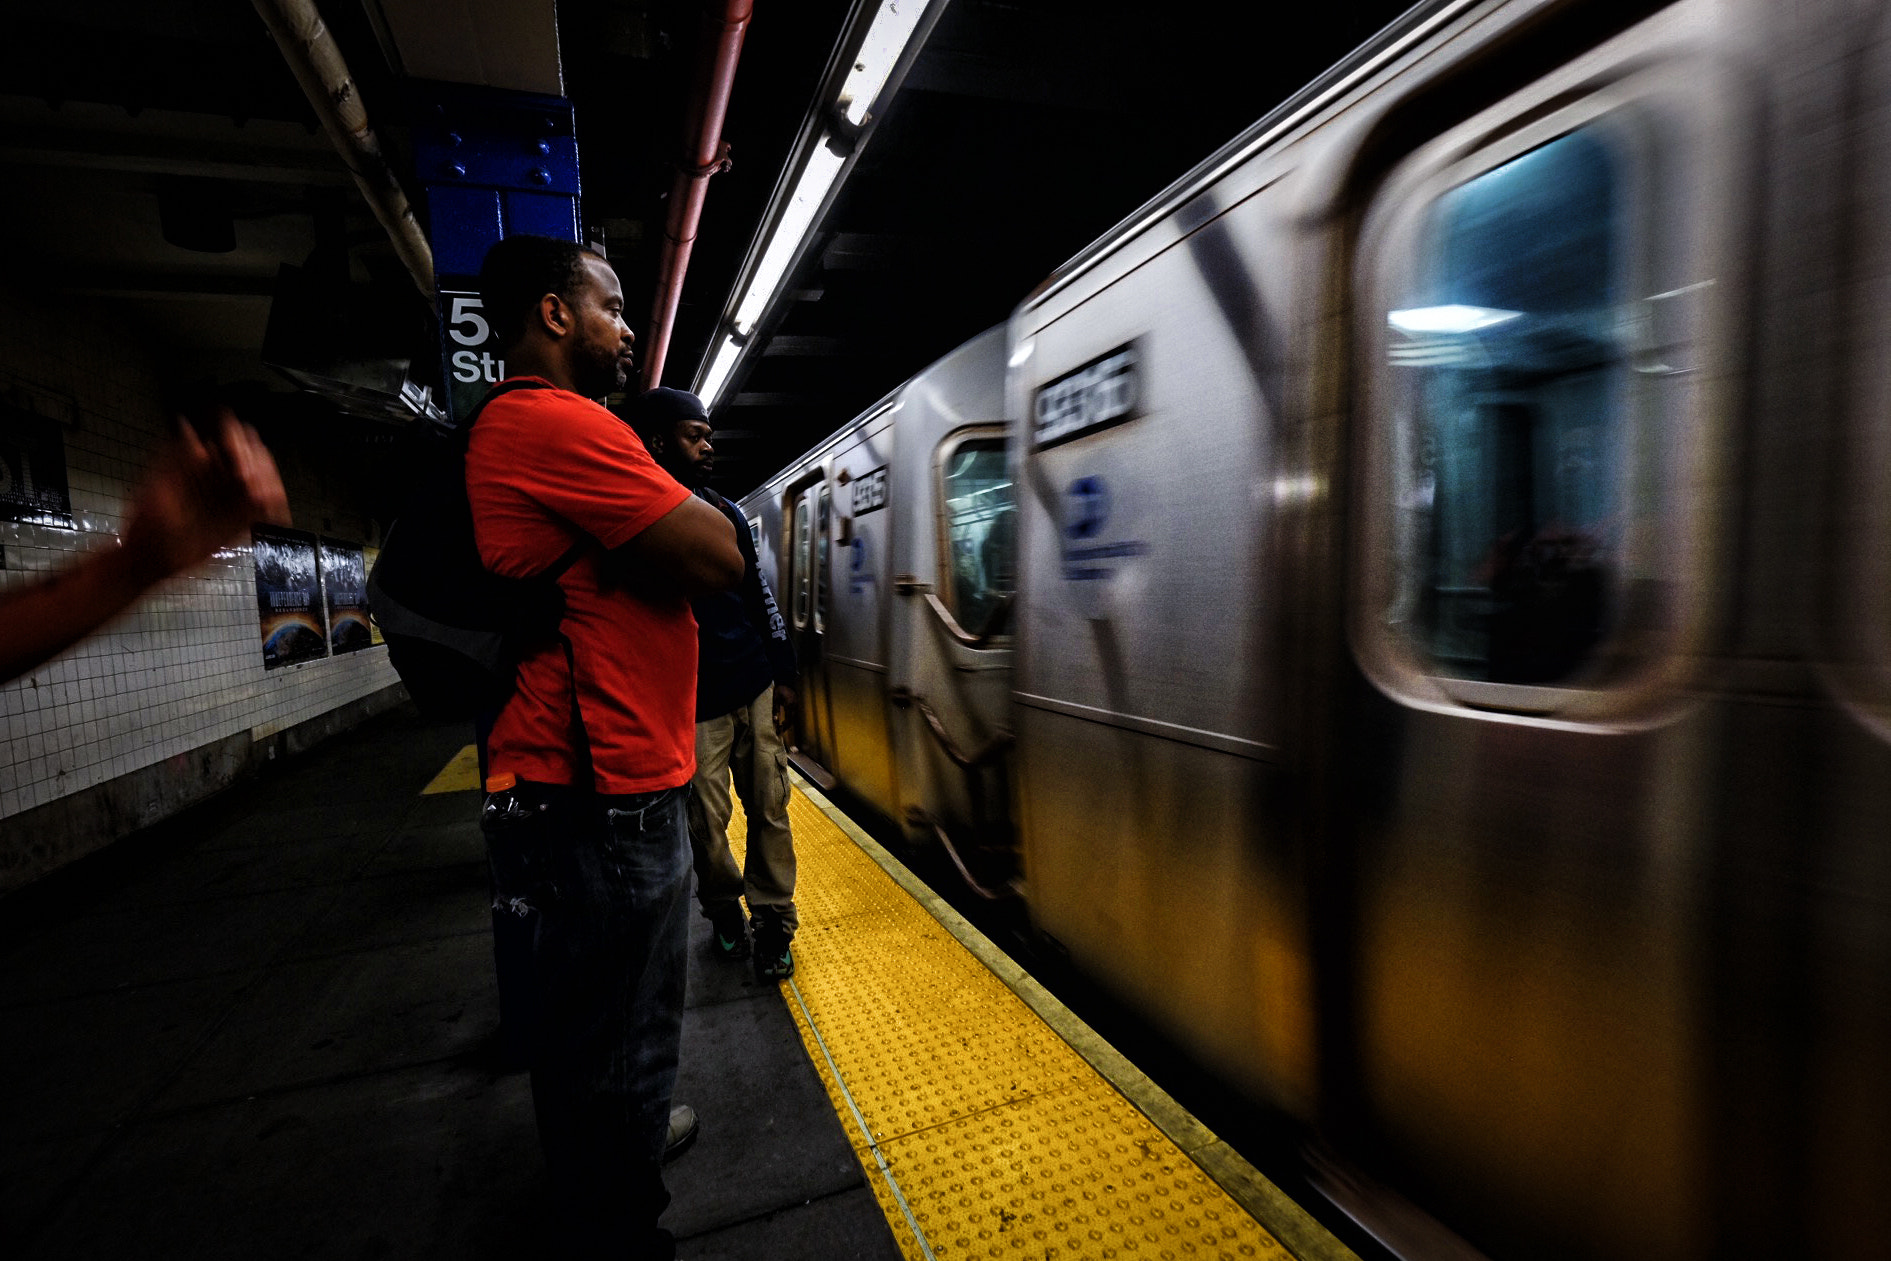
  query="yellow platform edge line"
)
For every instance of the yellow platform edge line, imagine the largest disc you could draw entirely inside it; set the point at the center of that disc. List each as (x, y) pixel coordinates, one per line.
(460, 774)
(1277, 1212)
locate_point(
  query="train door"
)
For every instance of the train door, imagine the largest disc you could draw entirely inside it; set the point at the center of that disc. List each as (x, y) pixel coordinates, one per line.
(951, 678)
(814, 717)
(1541, 298)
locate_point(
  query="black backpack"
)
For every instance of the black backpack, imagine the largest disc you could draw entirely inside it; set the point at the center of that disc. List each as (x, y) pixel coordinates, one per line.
(455, 630)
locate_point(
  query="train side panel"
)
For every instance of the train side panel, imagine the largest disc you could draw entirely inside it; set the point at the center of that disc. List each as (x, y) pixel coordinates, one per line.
(853, 654)
(1846, 1129)
(1155, 828)
(1448, 671)
(891, 546)
(1536, 569)
(832, 596)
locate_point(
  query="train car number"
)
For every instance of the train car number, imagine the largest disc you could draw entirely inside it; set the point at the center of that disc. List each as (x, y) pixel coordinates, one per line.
(1102, 392)
(870, 491)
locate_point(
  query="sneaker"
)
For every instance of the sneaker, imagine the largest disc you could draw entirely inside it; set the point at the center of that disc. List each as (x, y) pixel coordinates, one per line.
(683, 1129)
(774, 961)
(731, 930)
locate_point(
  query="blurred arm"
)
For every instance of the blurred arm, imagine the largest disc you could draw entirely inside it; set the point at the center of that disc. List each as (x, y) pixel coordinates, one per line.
(692, 546)
(199, 497)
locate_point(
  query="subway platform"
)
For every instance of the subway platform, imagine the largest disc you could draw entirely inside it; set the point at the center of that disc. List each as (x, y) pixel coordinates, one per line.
(267, 1028)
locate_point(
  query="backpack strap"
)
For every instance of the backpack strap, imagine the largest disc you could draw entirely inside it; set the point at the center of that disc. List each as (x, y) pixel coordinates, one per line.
(558, 567)
(551, 573)
(465, 432)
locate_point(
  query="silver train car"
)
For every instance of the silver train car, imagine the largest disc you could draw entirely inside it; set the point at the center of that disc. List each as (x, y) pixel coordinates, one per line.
(1417, 598)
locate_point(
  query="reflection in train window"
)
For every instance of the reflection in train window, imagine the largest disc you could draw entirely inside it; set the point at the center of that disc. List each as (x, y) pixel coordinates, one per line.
(820, 563)
(980, 558)
(1511, 431)
(801, 563)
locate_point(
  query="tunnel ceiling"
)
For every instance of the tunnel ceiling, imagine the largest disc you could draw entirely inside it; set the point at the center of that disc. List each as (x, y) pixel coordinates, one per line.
(1025, 129)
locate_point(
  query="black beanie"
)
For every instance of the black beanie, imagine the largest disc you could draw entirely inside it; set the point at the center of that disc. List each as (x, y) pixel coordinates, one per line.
(663, 403)
(654, 413)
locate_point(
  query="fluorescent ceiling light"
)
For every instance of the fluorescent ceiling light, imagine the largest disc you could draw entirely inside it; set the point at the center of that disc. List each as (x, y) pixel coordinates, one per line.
(891, 29)
(1448, 319)
(710, 388)
(784, 242)
(886, 39)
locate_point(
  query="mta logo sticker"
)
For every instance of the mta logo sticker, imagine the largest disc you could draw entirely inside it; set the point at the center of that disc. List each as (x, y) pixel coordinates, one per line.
(1086, 559)
(1089, 508)
(859, 576)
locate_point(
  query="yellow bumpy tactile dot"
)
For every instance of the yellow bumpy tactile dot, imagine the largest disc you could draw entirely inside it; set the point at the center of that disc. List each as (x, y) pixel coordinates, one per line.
(982, 1133)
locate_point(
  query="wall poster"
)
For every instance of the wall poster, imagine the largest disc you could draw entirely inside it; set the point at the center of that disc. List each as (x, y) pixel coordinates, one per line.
(33, 470)
(289, 597)
(345, 591)
(368, 556)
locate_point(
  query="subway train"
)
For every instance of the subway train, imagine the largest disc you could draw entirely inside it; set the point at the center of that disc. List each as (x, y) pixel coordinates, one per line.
(1415, 599)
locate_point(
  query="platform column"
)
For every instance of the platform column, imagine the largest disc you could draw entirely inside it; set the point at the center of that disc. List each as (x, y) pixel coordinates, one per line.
(492, 163)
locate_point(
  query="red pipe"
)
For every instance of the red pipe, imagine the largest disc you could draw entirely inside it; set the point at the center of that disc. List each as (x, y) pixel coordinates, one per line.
(725, 22)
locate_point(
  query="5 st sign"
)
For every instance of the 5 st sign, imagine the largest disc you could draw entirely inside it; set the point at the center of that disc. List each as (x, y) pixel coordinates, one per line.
(472, 367)
(467, 326)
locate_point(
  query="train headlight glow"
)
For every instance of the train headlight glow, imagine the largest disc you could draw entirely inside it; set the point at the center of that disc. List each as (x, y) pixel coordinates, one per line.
(1452, 318)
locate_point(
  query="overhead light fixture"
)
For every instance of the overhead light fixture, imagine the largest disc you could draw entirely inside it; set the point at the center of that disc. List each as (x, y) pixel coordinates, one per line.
(892, 30)
(1451, 318)
(720, 366)
(784, 240)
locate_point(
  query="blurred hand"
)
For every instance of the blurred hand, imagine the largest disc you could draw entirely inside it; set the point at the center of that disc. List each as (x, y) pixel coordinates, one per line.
(199, 496)
(202, 495)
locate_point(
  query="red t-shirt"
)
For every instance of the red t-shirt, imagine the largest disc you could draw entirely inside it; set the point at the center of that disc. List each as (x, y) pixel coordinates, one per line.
(546, 468)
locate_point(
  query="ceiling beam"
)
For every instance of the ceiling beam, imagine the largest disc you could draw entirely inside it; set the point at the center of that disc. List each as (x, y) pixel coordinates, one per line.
(803, 345)
(755, 399)
(498, 43)
(220, 286)
(151, 156)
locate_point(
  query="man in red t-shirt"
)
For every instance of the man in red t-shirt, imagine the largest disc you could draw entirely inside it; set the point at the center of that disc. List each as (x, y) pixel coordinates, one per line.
(590, 759)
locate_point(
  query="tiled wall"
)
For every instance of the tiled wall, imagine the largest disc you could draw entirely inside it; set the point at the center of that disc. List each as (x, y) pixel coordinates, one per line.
(184, 667)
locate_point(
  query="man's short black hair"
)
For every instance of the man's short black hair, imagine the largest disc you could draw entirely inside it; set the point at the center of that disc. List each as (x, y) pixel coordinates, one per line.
(655, 413)
(520, 270)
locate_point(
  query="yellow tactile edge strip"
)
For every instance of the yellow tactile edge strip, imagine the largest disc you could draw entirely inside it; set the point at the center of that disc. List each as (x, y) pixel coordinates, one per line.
(1271, 1208)
(460, 774)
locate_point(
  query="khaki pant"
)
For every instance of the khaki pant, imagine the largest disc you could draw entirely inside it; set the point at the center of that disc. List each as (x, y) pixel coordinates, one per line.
(745, 743)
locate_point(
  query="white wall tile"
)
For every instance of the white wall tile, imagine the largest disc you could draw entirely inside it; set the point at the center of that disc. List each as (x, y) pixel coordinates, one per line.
(184, 667)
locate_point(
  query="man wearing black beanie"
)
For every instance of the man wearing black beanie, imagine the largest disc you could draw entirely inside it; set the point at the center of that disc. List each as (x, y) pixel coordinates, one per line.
(745, 664)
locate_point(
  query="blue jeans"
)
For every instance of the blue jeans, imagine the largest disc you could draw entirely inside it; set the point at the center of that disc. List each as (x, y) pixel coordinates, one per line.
(606, 881)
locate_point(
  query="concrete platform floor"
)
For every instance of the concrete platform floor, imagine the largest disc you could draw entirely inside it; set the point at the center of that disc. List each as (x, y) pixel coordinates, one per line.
(265, 1029)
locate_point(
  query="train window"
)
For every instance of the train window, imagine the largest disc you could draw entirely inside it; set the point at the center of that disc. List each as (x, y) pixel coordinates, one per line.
(755, 533)
(1511, 409)
(980, 555)
(820, 563)
(802, 584)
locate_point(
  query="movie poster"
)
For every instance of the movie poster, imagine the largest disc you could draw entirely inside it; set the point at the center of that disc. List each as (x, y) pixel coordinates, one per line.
(345, 592)
(368, 556)
(289, 598)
